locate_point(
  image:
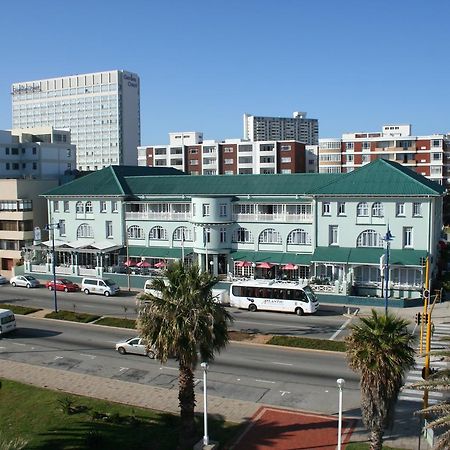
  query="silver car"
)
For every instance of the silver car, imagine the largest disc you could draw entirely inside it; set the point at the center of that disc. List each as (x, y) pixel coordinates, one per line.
(25, 281)
(135, 345)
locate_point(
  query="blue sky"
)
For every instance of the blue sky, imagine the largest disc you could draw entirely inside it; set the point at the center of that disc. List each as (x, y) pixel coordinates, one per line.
(354, 65)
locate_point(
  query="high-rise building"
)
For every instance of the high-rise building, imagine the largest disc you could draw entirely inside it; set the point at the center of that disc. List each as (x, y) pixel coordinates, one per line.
(189, 152)
(100, 109)
(427, 155)
(297, 128)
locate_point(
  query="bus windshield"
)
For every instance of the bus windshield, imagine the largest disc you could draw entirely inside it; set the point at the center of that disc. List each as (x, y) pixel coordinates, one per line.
(310, 294)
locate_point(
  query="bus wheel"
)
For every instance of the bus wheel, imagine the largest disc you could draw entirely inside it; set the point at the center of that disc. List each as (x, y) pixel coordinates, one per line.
(299, 311)
(252, 307)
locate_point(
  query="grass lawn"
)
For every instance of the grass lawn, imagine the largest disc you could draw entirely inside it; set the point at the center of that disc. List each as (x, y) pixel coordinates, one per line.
(317, 344)
(38, 416)
(117, 322)
(17, 309)
(72, 316)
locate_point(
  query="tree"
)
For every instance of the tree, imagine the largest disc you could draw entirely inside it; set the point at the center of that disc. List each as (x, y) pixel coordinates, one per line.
(182, 320)
(379, 349)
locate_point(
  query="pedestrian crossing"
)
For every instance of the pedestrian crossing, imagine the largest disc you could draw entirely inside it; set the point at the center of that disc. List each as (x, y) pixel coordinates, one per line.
(436, 362)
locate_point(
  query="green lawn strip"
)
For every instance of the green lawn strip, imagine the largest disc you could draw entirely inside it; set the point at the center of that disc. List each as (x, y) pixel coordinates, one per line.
(72, 316)
(116, 322)
(302, 342)
(40, 418)
(17, 309)
(365, 446)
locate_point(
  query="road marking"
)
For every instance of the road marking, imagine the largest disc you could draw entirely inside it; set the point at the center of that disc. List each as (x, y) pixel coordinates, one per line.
(123, 369)
(89, 356)
(282, 364)
(18, 343)
(344, 325)
(168, 367)
(266, 381)
(284, 392)
(58, 357)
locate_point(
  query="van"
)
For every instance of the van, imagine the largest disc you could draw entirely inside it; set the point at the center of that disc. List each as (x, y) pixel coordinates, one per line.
(148, 288)
(220, 296)
(99, 286)
(7, 321)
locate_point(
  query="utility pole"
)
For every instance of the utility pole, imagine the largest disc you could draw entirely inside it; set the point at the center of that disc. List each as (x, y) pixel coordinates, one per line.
(426, 294)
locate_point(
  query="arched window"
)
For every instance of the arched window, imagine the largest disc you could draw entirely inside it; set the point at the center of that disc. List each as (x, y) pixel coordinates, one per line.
(182, 234)
(299, 237)
(369, 238)
(377, 210)
(270, 236)
(243, 236)
(79, 207)
(88, 207)
(85, 231)
(135, 232)
(158, 233)
(362, 210)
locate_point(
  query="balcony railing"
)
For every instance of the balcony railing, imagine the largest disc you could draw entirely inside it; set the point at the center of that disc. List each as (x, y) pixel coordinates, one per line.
(291, 218)
(157, 216)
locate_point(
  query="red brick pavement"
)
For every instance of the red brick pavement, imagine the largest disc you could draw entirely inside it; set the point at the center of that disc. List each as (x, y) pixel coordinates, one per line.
(281, 429)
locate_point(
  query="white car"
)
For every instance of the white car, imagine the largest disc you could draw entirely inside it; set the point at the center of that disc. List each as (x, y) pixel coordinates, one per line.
(135, 345)
(25, 281)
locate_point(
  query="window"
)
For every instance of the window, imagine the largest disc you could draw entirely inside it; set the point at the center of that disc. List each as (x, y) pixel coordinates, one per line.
(223, 234)
(114, 206)
(158, 233)
(362, 210)
(85, 231)
(369, 238)
(417, 209)
(349, 145)
(286, 159)
(407, 237)
(350, 158)
(109, 229)
(88, 208)
(341, 208)
(367, 274)
(223, 210)
(333, 235)
(407, 277)
(182, 234)
(79, 208)
(299, 237)
(399, 209)
(206, 209)
(229, 161)
(66, 207)
(193, 151)
(228, 149)
(206, 236)
(135, 232)
(243, 236)
(377, 210)
(68, 152)
(326, 210)
(62, 227)
(270, 236)
(55, 206)
(102, 206)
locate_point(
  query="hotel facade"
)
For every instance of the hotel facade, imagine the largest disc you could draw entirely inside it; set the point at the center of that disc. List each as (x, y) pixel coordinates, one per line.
(324, 228)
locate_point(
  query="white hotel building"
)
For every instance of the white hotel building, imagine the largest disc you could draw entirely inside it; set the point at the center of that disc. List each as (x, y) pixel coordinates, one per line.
(100, 109)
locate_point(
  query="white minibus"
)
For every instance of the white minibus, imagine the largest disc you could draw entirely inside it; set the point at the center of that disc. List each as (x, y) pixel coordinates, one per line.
(7, 321)
(273, 296)
(99, 286)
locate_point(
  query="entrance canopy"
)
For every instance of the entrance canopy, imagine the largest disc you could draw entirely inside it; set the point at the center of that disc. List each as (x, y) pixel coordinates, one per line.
(272, 258)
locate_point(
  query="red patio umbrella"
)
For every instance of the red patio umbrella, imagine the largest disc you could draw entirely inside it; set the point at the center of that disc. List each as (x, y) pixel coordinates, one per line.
(143, 264)
(129, 263)
(290, 266)
(243, 264)
(264, 265)
(160, 265)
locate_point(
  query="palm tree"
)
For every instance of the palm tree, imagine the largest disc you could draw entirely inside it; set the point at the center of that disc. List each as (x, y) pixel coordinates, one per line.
(379, 349)
(182, 320)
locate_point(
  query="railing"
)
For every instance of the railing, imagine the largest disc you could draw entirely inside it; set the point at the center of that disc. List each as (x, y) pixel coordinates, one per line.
(324, 288)
(84, 271)
(41, 268)
(157, 216)
(63, 270)
(297, 218)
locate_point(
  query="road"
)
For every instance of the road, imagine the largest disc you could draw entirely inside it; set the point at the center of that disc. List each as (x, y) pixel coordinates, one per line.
(263, 374)
(325, 324)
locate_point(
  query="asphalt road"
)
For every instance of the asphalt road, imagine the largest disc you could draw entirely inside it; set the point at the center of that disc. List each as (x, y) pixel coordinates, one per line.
(327, 323)
(264, 374)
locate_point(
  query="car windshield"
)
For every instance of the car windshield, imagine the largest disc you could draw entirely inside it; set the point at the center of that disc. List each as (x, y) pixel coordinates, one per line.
(310, 294)
(64, 281)
(109, 282)
(29, 278)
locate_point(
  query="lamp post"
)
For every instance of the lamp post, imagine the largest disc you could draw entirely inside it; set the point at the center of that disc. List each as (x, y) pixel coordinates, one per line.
(204, 366)
(387, 238)
(211, 265)
(52, 227)
(340, 382)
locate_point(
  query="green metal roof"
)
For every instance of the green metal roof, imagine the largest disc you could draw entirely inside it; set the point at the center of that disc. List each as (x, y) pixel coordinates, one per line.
(156, 252)
(366, 255)
(380, 177)
(271, 257)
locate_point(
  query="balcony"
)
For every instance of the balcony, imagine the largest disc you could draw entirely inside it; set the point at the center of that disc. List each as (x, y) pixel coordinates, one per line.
(288, 218)
(182, 216)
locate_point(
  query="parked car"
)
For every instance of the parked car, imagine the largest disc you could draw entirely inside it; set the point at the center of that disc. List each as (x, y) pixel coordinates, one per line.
(27, 281)
(136, 346)
(99, 286)
(3, 279)
(62, 285)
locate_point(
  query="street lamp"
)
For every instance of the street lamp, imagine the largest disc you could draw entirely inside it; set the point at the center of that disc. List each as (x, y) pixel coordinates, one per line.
(52, 227)
(254, 270)
(387, 238)
(211, 264)
(340, 382)
(204, 366)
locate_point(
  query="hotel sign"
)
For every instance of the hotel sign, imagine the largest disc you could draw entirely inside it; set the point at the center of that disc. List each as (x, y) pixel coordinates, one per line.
(25, 89)
(132, 81)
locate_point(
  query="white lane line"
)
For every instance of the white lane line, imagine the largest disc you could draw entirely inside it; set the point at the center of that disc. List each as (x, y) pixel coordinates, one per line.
(58, 357)
(266, 381)
(88, 356)
(284, 392)
(168, 367)
(18, 343)
(281, 364)
(344, 325)
(122, 369)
